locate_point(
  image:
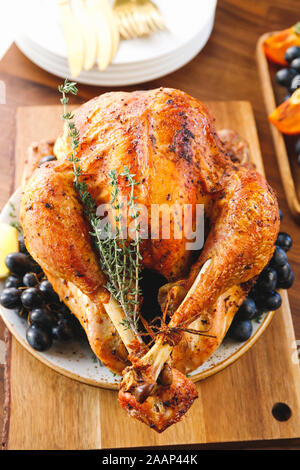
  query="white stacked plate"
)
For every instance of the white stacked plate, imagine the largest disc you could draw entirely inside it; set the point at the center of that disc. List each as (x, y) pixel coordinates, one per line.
(189, 23)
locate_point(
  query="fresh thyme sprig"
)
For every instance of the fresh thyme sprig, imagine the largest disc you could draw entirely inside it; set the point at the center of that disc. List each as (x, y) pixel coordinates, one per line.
(120, 260)
(73, 134)
(128, 258)
(134, 253)
(14, 222)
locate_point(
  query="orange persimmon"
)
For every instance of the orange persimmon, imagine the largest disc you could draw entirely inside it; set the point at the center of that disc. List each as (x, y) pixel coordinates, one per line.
(276, 44)
(287, 116)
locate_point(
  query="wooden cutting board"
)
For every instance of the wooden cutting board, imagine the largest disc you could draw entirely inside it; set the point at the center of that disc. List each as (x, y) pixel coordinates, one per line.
(48, 411)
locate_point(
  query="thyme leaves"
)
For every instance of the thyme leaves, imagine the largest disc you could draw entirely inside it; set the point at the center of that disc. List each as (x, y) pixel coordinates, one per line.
(120, 259)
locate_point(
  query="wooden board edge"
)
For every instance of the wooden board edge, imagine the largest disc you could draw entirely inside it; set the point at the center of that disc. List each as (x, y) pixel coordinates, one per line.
(7, 393)
(278, 139)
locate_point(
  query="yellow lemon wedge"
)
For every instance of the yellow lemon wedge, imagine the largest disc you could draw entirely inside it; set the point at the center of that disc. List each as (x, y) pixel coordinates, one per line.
(8, 244)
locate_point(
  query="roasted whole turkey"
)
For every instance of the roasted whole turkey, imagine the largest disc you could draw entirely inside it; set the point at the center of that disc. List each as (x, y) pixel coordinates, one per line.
(170, 143)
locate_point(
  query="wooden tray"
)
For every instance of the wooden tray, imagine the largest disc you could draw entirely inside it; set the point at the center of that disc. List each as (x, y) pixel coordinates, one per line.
(46, 410)
(289, 170)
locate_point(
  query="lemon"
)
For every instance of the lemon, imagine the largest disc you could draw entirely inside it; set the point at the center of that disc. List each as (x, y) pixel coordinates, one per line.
(8, 244)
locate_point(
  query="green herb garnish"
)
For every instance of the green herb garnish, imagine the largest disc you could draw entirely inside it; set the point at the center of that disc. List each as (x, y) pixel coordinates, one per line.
(120, 259)
(12, 215)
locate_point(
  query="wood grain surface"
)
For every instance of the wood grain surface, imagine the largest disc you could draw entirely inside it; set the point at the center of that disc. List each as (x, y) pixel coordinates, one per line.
(234, 405)
(266, 71)
(224, 70)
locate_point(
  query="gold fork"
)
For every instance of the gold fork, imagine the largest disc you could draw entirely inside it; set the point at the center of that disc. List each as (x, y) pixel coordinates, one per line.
(137, 18)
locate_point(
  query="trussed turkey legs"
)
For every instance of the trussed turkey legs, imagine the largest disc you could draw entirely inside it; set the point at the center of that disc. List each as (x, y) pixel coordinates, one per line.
(143, 398)
(158, 406)
(168, 402)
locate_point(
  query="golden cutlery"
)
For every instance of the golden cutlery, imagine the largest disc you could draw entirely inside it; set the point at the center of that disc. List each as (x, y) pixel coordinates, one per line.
(137, 18)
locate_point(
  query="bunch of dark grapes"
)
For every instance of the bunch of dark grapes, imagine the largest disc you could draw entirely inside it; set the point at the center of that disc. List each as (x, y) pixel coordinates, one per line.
(264, 297)
(30, 294)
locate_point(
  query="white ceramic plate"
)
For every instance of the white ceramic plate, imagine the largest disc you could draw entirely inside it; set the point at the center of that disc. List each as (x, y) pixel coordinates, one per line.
(112, 77)
(138, 60)
(40, 20)
(200, 40)
(76, 360)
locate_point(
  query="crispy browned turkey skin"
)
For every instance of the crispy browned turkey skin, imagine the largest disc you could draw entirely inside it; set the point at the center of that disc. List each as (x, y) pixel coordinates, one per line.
(169, 141)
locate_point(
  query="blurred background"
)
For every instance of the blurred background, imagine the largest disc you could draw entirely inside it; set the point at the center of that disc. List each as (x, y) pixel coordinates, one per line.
(7, 26)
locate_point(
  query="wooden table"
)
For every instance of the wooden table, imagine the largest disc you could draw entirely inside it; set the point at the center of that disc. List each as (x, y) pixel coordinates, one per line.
(224, 70)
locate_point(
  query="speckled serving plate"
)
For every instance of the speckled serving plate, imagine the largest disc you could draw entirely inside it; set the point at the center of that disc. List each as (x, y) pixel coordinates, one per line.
(76, 359)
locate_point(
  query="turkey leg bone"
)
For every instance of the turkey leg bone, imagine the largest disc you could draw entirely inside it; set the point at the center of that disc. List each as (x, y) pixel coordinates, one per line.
(167, 402)
(170, 400)
(117, 316)
(153, 361)
(159, 354)
(159, 406)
